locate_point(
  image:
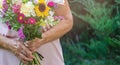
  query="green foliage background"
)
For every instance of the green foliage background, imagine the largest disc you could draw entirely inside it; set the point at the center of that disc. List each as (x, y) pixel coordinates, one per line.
(95, 37)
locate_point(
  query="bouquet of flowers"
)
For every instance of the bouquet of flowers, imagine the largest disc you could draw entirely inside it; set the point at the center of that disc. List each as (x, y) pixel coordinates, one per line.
(26, 17)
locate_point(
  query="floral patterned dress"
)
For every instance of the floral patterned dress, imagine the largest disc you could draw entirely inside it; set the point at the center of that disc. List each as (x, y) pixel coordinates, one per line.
(51, 51)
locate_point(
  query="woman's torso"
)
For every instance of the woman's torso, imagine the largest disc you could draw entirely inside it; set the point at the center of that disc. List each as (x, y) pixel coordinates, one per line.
(51, 51)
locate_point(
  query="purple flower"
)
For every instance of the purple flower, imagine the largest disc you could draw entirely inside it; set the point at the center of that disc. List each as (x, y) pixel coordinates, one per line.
(16, 8)
(2, 13)
(58, 17)
(55, 17)
(5, 5)
(8, 24)
(35, 1)
(20, 33)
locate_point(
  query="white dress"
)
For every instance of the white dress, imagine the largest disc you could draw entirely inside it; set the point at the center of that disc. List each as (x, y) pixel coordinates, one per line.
(51, 51)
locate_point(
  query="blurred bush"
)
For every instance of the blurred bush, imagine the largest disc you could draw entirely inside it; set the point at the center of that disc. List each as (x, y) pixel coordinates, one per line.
(95, 37)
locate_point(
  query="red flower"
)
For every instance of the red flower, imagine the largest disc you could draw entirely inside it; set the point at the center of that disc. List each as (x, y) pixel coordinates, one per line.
(31, 20)
(21, 18)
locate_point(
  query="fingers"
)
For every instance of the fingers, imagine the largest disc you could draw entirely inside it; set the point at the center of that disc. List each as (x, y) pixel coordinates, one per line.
(27, 52)
(31, 45)
(21, 49)
(24, 54)
(46, 28)
(24, 59)
(33, 49)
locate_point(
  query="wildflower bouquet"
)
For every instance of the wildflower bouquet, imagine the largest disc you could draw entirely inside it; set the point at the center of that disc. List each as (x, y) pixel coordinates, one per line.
(27, 17)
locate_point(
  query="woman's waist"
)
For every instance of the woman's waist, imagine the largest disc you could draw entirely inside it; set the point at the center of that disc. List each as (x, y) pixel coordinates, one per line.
(3, 28)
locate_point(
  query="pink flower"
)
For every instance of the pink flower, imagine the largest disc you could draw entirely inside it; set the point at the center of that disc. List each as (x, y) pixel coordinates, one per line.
(5, 5)
(32, 20)
(51, 4)
(16, 8)
(21, 18)
(55, 17)
(58, 17)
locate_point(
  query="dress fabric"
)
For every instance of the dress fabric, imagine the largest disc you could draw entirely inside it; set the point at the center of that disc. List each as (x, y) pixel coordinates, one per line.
(51, 51)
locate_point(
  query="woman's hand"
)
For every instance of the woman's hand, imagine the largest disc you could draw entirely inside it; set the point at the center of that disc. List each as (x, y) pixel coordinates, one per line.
(16, 47)
(33, 45)
(23, 53)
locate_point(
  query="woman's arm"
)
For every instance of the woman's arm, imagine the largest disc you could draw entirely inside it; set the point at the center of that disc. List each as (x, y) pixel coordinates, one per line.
(16, 48)
(64, 25)
(58, 30)
(7, 44)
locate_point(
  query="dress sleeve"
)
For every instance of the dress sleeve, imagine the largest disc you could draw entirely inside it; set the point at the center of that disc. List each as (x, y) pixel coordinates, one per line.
(57, 1)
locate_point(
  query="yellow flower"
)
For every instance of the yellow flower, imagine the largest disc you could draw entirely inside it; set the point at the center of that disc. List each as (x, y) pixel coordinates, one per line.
(41, 1)
(41, 22)
(42, 9)
(1, 4)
